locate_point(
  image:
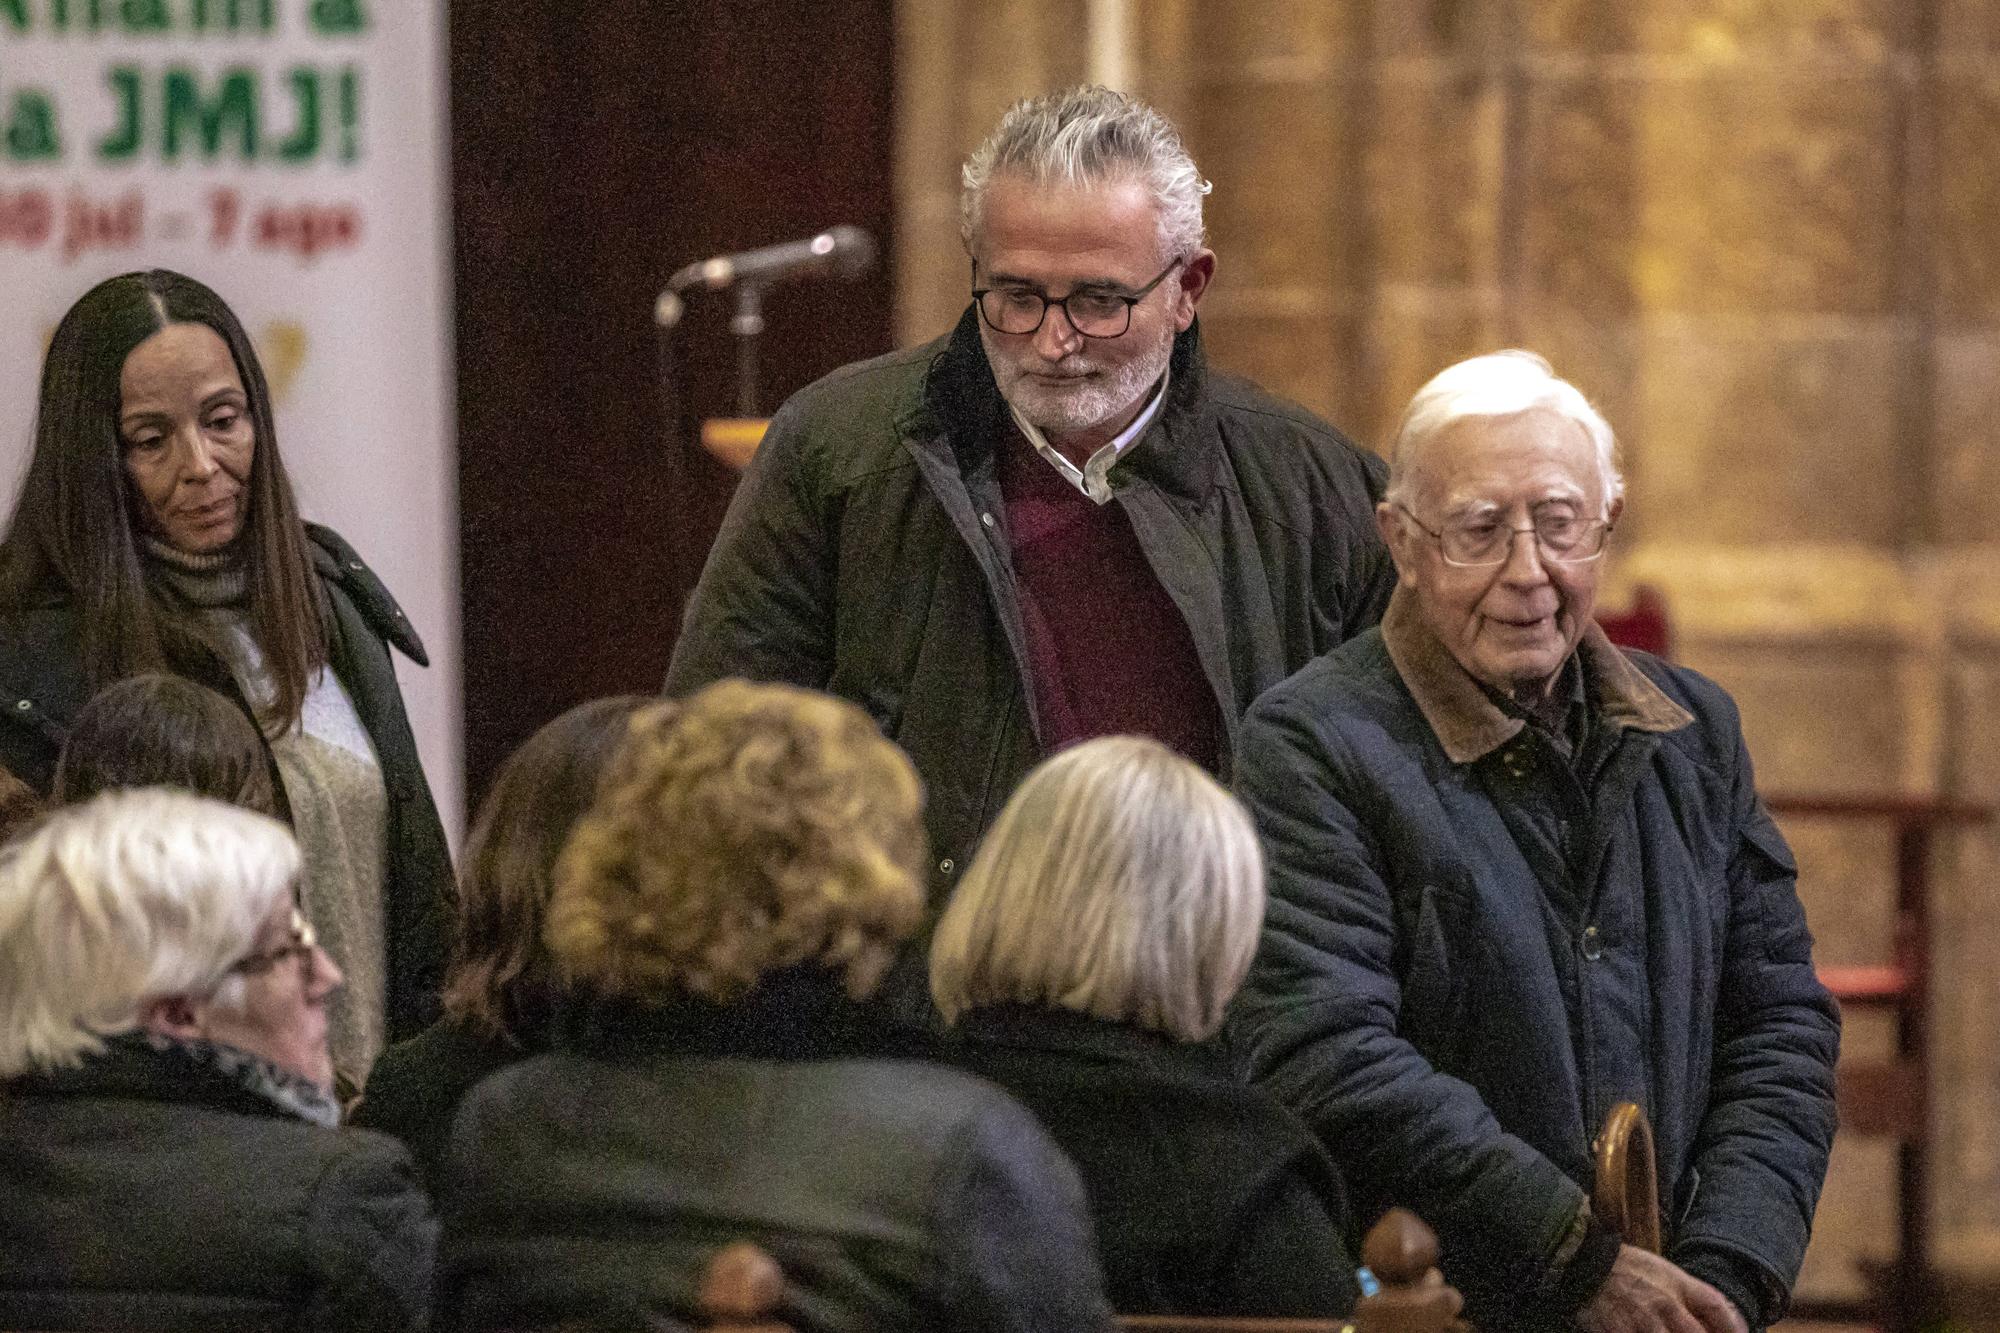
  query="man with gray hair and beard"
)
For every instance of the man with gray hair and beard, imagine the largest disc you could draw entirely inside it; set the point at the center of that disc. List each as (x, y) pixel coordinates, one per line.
(1057, 522)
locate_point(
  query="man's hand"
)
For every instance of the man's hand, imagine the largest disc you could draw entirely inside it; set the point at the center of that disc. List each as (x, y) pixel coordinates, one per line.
(1648, 1294)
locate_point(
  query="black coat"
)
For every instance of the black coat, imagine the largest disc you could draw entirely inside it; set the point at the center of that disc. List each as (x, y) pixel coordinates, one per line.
(595, 1182)
(1209, 1197)
(43, 686)
(1473, 952)
(866, 554)
(148, 1193)
(415, 1088)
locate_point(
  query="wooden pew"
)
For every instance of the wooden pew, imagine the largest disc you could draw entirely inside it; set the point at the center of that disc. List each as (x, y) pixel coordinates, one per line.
(743, 1288)
(1399, 1250)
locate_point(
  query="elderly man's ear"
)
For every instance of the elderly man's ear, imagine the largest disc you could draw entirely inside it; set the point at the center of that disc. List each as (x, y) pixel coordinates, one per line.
(1395, 535)
(1193, 280)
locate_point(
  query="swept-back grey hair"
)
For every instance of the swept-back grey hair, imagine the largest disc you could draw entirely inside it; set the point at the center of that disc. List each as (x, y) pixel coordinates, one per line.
(1119, 881)
(1086, 136)
(1499, 384)
(131, 896)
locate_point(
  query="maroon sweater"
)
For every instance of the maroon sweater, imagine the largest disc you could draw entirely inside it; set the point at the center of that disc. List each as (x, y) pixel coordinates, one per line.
(1108, 651)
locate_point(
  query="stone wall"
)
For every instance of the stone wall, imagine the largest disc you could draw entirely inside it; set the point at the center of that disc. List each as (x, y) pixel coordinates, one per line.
(1764, 235)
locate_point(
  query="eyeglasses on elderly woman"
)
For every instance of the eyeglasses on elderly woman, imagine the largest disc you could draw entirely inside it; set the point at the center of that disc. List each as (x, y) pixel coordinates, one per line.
(300, 942)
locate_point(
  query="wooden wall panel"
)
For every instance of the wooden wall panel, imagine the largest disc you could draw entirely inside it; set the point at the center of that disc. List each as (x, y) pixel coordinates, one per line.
(593, 153)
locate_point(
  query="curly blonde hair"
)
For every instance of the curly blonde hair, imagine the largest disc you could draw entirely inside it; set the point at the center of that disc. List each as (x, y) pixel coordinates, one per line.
(763, 827)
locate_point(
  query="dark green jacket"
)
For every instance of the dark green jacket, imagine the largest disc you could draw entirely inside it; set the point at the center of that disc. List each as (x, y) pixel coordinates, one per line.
(416, 1086)
(593, 1183)
(43, 686)
(1209, 1197)
(866, 554)
(148, 1191)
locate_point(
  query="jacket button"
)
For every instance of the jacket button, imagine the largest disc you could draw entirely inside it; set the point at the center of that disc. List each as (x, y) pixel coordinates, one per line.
(354, 565)
(24, 704)
(987, 519)
(945, 866)
(1593, 947)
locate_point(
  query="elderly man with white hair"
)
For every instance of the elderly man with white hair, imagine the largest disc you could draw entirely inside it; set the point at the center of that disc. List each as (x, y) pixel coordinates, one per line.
(169, 1150)
(1057, 522)
(1518, 877)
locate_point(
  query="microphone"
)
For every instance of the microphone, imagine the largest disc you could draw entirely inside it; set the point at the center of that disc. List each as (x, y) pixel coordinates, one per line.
(840, 252)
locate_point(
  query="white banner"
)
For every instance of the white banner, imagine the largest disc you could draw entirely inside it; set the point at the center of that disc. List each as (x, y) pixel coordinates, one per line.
(292, 155)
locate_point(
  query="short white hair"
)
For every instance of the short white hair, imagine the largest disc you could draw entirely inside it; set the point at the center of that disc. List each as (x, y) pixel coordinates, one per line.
(132, 896)
(1499, 384)
(1120, 881)
(1089, 136)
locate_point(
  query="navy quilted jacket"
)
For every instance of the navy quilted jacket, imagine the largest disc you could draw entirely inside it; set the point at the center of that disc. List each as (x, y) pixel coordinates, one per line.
(1466, 964)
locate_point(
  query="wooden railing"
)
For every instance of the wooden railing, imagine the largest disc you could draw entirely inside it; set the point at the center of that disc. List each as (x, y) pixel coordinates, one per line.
(1891, 1098)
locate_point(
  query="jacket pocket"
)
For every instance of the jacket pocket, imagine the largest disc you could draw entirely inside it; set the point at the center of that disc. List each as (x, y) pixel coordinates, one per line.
(1684, 1209)
(1431, 985)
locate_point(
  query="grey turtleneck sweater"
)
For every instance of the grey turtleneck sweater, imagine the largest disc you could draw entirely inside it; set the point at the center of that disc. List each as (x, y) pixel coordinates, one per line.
(333, 784)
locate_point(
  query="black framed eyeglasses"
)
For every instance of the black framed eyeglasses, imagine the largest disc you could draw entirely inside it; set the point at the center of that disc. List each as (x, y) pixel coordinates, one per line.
(1092, 312)
(302, 943)
(1559, 536)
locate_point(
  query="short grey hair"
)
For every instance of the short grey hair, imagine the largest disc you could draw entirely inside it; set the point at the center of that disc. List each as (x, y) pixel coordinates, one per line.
(131, 896)
(1499, 384)
(1087, 136)
(1119, 881)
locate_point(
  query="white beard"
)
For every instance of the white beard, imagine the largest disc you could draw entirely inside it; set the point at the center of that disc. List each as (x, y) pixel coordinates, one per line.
(1095, 397)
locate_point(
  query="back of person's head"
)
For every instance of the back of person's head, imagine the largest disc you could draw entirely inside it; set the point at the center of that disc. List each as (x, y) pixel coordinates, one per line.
(501, 982)
(1119, 881)
(764, 828)
(162, 730)
(131, 896)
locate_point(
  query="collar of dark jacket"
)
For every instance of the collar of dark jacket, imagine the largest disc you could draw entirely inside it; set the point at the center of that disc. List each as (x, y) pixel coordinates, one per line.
(1064, 1031)
(1470, 726)
(143, 1066)
(338, 564)
(794, 1013)
(1178, 456)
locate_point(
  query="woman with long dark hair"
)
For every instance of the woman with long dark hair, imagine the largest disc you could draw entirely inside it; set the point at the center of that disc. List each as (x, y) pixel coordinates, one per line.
(156, 530)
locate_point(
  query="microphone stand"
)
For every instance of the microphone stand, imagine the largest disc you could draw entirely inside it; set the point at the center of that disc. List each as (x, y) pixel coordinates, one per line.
(675, 469)
(747, 323)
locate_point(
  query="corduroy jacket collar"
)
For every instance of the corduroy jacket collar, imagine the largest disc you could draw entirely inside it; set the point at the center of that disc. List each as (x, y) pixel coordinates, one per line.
(1470, 726)
(1174, 455)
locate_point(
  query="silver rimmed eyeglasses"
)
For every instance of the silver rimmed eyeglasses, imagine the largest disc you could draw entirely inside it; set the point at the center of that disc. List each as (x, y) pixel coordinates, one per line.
(1094, 312)
(1559, 536)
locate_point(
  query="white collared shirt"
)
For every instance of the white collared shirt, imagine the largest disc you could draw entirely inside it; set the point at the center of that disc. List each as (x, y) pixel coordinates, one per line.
(1093, 477)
